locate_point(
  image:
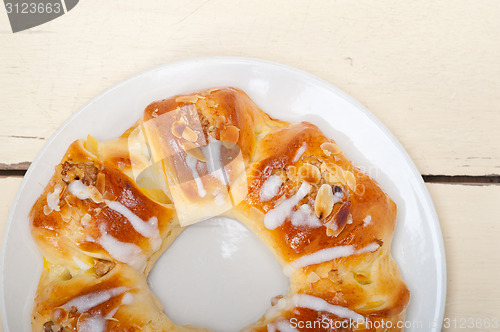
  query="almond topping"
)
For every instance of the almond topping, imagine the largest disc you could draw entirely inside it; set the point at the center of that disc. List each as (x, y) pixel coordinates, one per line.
(323, 205)
(330, 148)
(100, 182)
(94, 194)
(178, 128)
(310, 173)
(350, 180)
(187, 99)
(292, 172)
(189, 135)
(312, 277)
(194, 151)
(230, 134)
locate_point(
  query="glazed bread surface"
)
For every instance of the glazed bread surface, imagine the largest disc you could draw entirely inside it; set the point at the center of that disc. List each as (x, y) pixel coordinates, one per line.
(112, 208)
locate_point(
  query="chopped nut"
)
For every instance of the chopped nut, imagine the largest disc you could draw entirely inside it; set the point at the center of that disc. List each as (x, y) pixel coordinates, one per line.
(310, 173)
(230, 134)
(329, 148)
(323, 205)
(194, 151)
(102, 267)
(50, 326)
(189, 135)
(86, 172)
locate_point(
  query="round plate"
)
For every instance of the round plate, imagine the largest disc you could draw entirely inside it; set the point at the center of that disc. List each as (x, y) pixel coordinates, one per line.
(282, 92)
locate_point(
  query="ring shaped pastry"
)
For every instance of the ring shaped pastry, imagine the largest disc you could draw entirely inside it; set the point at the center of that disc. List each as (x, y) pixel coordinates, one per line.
(112, 208)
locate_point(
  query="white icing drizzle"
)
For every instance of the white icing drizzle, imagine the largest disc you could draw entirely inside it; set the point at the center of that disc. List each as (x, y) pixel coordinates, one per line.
(326, 255)
(81, 264)
(367, 221)
(282, 326)
(277, 216)
(79, 190)
(92, 324)
(300, 152)
(337, 197)
(191, 162)
(123, 252)
(270, 187)
(88, 301)
(318, 304)
(127, 298)
(304, 216)
(53, 198)
(147, 229)
(309, 302)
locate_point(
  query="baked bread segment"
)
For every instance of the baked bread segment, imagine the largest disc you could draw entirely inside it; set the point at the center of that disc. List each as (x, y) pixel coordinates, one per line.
(112, 208)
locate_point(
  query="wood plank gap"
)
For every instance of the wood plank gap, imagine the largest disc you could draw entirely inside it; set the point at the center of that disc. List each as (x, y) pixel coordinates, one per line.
(463, 179)
(12, 173)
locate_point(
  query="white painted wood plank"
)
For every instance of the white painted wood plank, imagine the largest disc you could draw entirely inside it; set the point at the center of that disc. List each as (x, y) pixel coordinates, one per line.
(428, 69)
(9, 188)
(469, 217)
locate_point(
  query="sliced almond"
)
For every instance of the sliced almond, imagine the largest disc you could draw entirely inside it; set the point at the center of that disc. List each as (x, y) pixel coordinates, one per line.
(94, 194)
(336, 222)
(47, 210)
(194, 151)
(178, 127)
(312, 278)
(330, 148)
(292, 172)
(211, 103)
(187, 99)
(230, 134)
(201, 103)
(350, 180)
(189, 135)
(85, 219)
(100, 183)
(323, 205)
(310, 173)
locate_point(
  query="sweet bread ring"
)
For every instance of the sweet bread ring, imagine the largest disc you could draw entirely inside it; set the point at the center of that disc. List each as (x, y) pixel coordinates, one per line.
(112, 208)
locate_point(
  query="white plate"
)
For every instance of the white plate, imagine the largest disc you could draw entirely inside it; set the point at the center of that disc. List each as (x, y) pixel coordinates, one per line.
(284, 93)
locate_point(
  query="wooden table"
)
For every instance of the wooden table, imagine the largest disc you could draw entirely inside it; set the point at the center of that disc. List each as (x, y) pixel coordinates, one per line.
(430, 70)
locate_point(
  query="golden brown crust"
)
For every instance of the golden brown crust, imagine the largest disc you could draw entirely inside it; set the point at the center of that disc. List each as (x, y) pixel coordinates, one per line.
(91, 244)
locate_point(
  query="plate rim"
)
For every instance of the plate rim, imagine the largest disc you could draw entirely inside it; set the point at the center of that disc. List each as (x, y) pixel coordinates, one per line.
(435, 226)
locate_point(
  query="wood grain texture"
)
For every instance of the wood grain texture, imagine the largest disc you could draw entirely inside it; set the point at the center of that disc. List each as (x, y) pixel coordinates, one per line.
(470, 238)
(428, 69)
(469, 218)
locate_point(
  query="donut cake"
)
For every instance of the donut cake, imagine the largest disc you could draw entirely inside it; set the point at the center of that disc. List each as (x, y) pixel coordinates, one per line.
(112, 208)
